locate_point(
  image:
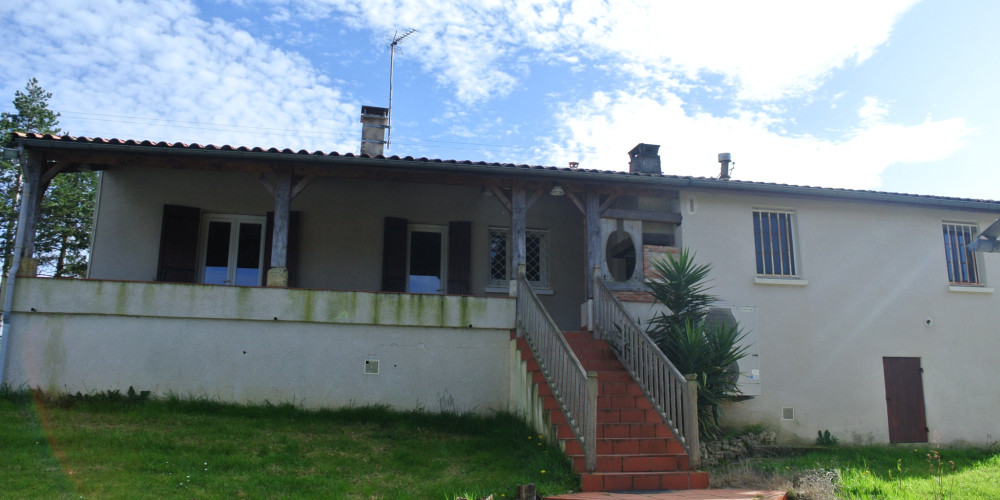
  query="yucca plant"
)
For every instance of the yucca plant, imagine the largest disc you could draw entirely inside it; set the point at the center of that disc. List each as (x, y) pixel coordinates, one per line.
(681, 285)
(707, 351)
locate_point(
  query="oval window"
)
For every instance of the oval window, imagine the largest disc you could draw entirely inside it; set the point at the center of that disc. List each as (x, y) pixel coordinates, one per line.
(619, 254)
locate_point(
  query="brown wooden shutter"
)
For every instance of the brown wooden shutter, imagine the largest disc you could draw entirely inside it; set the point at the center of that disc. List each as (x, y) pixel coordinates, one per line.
(178, 260)
(394, 255)
(459, 257)
(292, 257)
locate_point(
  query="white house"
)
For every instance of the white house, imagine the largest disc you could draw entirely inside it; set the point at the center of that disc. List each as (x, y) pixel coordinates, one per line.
(328, 280)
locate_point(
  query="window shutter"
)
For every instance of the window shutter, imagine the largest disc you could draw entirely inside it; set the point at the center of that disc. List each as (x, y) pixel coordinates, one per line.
(178, 260)
(459, 257)
(394, 255)
(292, 258)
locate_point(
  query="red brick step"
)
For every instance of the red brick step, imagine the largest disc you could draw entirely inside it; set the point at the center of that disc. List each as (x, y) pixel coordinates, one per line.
(636, 450)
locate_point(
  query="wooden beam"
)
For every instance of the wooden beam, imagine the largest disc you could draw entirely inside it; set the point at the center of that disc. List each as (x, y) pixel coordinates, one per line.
(282, 207)
(534, 198)
(607, 203)
(501, 197)
(519, 209)
(267, 181)
(643, 215)
(303, 182)
(34, 190)
(576, 201)
(593, 237)
(50, 171)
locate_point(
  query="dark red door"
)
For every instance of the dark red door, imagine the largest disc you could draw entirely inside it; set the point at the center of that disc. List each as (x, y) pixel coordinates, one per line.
(904, 400)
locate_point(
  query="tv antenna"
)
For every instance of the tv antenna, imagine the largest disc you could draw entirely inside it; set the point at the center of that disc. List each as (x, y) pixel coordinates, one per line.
(397, 38)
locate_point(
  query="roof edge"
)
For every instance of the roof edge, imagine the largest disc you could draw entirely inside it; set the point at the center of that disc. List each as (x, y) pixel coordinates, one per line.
(37, 141)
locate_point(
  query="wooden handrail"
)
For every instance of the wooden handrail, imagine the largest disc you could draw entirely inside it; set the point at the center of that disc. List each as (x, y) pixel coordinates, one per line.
(574, 388)
(673, 395)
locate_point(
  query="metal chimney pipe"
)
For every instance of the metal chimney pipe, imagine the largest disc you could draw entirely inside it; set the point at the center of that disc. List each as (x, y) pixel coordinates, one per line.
(724, 159)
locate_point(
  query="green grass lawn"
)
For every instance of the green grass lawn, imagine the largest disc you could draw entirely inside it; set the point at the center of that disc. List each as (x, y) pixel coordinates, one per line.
(114, 446)
(875, 472)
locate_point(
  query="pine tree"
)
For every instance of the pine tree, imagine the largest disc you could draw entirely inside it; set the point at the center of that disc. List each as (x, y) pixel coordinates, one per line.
(63, 238)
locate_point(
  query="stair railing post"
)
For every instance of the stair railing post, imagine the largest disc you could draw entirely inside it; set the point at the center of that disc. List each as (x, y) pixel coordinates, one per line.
(590, 424)
(594, 304)
(691, 421)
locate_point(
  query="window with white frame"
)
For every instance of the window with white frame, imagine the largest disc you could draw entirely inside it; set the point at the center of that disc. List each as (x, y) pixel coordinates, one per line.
(774, 243)
(501, 268)
(962, 266)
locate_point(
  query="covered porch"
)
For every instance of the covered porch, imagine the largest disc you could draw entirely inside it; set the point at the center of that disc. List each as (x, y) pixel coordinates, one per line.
(283, 219)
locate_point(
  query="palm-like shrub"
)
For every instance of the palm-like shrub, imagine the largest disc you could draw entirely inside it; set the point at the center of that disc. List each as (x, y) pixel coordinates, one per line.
(694, 347)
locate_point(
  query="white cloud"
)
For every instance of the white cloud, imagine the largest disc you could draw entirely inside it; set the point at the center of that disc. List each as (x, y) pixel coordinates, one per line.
(873, 111)
(768, 50)
(598, 132)
(105, 61)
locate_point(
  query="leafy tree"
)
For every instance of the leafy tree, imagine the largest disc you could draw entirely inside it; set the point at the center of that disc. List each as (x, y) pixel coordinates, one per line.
(692, 344)
(63, 237)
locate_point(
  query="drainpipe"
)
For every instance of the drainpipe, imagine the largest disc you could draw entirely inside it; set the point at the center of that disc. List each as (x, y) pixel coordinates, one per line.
(8, 302)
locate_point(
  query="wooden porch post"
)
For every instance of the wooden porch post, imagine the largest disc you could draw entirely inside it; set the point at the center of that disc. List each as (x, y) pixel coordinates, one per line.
(277, 273)
(592, 211)
(518, 210)
(31, 203)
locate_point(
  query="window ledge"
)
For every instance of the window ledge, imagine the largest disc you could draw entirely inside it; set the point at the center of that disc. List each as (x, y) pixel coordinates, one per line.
(780, 281)
(505, 290)
(969, 289)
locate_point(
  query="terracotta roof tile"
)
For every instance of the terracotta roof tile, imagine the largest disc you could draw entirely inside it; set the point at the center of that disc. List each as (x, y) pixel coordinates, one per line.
(287, 151)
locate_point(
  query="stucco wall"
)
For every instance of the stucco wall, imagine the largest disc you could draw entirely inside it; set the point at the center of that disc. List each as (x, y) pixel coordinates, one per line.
(341, 226)
(434, 352)
(875, 274)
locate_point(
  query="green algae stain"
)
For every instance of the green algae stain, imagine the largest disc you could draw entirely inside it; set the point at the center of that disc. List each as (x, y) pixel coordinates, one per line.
(148, 298)
(342, 307)
(121, 301)
(306, 297)
(376, 308)
(243, 302)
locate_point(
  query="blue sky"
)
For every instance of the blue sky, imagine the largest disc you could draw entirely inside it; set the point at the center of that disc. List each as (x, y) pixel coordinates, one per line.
(895, 95)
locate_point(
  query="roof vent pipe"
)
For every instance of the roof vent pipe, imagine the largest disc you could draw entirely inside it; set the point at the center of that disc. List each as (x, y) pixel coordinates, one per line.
(724, 159)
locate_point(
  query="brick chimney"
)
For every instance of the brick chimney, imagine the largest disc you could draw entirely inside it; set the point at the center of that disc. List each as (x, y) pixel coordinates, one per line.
(645, 159)
(374, 123)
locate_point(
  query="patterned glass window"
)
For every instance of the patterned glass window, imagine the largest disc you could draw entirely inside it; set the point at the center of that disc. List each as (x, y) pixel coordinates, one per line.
(498, 255)
(774, 245)
(502, 268)
(962, 268)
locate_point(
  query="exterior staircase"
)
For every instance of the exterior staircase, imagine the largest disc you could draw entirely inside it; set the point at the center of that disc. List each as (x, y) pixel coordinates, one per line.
(636, 450)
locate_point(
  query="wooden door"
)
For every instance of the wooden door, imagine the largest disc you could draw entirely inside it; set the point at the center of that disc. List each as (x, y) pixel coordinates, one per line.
(904, 400)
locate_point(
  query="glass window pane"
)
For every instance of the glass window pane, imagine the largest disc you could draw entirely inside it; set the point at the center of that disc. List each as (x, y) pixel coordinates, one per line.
(217, 253)
(248, 255)
(533, 258)
(425, 262)
(498, 256)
